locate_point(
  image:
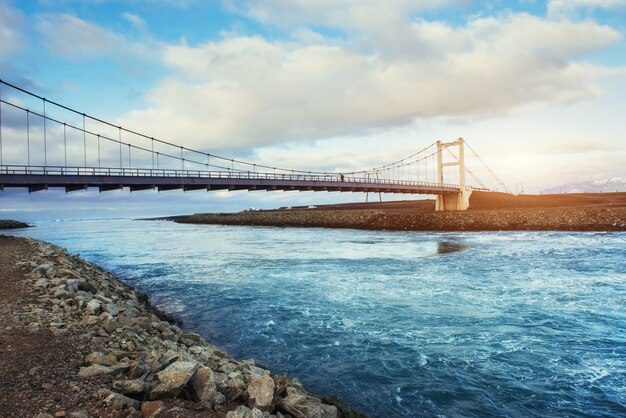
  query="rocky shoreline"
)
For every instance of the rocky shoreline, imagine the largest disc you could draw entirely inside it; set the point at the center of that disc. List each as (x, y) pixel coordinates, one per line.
(537, 219)
(11, 224)
(77, 342)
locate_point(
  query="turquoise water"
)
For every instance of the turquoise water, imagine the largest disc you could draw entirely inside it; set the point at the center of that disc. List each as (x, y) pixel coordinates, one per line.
(396, 323)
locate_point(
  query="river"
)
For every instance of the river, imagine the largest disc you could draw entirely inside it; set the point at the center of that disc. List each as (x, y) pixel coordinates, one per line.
(395, 323)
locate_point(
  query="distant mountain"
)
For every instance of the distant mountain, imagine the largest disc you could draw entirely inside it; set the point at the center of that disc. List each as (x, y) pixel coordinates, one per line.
(614, 184)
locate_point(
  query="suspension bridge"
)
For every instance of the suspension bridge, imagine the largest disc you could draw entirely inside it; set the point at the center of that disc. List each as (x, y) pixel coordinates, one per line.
(46, 144)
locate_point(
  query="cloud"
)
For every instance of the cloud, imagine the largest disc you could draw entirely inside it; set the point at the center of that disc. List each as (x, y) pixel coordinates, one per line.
(135, 20)
(178, 4)
(67, 36)
(374, 26)
(244, 91)
(585, 147)
(346, 14)
(70, 37)
(11, 30)
(561, 8)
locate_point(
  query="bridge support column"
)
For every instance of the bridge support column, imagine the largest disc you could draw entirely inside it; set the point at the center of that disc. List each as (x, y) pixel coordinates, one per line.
(452, 201)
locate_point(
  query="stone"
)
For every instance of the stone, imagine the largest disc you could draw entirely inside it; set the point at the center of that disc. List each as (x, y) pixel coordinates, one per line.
(295, 382)
(41, 283)
(131, 311)
(94, 306)
(261, 393)
(152, 357)
(159, 325)
(141, 323)
(87, 287)
(244, 412)
(71, 285)
(41, 269)
(237, 381)
(203, 386)
(168, 334)
(123, 321)
(228, 368)
(151, 408)
(103, 393)
(34, 326)
(191, 338)
(171, 345)
(257, 371)
(118, 402)
(129, 387)
(111, 308)
(281, 382)
(68, 273)
(231, 394)
(109, 324)
(300, 404)
(98, 357)
(120, 367)
(94, 370)
(43, 415)
(60, 293)
(138, 369)
(173, 379)
(79, 414)
(170, 356)
(90, 320)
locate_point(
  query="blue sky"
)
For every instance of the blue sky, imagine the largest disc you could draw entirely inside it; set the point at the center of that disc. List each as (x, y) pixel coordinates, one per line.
(537, 87)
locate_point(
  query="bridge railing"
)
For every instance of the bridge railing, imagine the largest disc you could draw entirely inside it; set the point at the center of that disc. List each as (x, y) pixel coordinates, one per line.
(227, 175)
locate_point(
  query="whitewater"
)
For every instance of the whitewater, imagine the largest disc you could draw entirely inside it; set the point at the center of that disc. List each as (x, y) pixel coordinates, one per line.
(394, 323)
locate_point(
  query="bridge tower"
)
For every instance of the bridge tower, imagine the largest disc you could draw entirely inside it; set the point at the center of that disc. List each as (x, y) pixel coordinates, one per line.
(452, 201)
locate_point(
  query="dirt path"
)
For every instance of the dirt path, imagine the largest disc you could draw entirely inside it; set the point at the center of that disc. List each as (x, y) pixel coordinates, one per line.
(37, 366)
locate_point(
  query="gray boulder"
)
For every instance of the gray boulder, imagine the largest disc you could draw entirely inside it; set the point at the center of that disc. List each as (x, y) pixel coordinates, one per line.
(129, 387)
(173, 379)
(203, 386)
(98, 357)
(244, 412)
(94, 306)
(301, 405)
(94, 370)
(118, 402)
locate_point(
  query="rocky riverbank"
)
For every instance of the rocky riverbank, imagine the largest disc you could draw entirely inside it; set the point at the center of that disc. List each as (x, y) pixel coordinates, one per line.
(538, 219)
(10, 224)
(77, 342)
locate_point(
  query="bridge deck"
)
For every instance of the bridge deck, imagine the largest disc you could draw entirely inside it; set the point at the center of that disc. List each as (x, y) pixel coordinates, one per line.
(78, 178)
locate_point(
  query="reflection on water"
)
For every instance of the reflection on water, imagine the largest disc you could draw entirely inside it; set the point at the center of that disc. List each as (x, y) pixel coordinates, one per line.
(444, 247)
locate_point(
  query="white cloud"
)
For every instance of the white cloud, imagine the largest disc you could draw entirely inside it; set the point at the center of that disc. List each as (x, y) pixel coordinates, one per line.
(382, 27)
(70, 37)
(135, 20)
(248, 91)
(560, 8)
(344, 14)
(11, 30)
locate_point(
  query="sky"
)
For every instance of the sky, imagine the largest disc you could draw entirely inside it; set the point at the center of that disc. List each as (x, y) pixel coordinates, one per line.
(536, 87)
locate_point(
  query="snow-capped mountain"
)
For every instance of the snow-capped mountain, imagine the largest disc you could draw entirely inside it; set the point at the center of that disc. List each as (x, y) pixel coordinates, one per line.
(614, 184)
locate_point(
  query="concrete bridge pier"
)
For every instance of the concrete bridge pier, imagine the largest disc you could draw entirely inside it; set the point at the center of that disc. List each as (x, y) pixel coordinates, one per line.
(452, 201)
